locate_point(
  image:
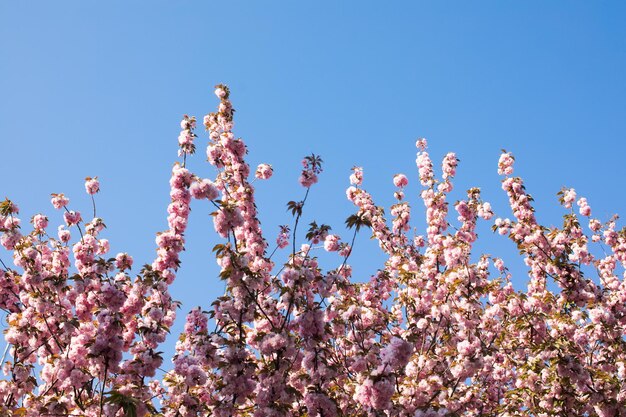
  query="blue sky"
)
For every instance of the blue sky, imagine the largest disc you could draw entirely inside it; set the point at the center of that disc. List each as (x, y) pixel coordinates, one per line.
(98, 88)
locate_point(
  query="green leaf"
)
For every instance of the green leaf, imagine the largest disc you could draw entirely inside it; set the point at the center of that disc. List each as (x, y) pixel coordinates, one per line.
(128, 404)
(357, 221)
(295, 208)
(6, 207)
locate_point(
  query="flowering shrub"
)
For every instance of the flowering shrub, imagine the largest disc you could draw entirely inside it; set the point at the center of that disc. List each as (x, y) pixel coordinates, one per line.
(431, 334)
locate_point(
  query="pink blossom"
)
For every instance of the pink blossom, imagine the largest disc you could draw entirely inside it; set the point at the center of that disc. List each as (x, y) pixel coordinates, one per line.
(357, 176)
(449, 165)
(499, 264)
(585, 210)
(72, 217)
(64, 234)
(400, 180)
(227, 219)
(425, 168)
(10, 238)
(92, 185)
(283, 237)
(307, 179)
(320, 405)
(569, 196)
(220, 92)
(263, 171)
(595, 225)
(344, 250)
(375, 394)
(435, 331)
(311, 168)
(331, 243)
(40, 221)
(505, 164)
(421, 144)
(485, 211)
(204, 189)
(123, 261)
(103, 246)
(59, 201)
(396, 354)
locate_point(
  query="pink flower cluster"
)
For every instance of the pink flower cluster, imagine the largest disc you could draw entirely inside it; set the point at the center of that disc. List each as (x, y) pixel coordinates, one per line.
(204, 189)
(584, 210)
(400, 180)
(357, 176)
(59, 201)
(187, 136)
(92, 185)
(283, 237)
(311, 168)
(505, 164)
(438, 330)
(264, 171)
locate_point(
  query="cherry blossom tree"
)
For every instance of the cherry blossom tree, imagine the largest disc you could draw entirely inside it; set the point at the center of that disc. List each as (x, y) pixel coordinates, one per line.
(439, 331)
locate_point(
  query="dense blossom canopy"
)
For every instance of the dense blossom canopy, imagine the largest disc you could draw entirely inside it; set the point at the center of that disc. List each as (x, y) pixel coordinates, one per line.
(438, 332)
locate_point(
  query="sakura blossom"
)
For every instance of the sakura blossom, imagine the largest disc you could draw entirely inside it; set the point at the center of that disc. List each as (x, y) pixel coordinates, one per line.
(505, 164)
(92, 185)
(263, 171)
(438, 330)
(40, 221)
(357, 176)
(400, 180)
(59, 201)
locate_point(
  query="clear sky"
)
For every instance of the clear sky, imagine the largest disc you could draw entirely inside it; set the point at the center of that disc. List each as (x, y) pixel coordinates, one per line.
(98, 89)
